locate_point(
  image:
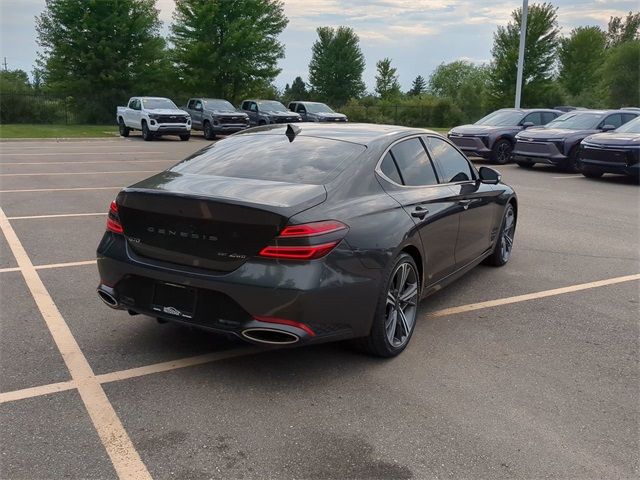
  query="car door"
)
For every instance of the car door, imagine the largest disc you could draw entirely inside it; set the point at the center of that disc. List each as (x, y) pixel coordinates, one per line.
(251, 109)
(411, 180)
(302, 111)
(196, 116)
(135, 113)
(476, 202)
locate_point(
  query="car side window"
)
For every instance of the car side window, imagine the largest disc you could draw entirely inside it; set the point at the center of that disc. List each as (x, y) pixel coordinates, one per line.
(452, 165)
(301, 109)
(389, 168)
(615, 120)
(245, 106)
(413, 163)
(547, 117)
(198, 105)
(253, 106)
(137, 104)
(627, 117)
(132, 103)
(292, 107)
(535, 118)
(190, 104)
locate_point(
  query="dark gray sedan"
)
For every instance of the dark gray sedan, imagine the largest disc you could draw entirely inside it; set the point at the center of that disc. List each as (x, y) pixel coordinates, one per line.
(288, 234)
(493, 136)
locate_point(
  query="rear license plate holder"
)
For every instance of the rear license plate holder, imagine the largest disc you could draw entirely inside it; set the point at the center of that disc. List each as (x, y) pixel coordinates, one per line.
(175, 300)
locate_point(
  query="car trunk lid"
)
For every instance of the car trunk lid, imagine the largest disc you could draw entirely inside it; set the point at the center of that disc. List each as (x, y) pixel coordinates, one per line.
(207, 221)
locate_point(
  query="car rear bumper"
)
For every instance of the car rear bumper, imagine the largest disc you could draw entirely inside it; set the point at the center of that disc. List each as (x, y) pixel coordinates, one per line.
(332, 297)
(471, 146)
(538, 152)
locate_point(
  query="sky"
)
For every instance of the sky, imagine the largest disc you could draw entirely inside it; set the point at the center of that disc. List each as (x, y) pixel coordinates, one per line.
(417, 35)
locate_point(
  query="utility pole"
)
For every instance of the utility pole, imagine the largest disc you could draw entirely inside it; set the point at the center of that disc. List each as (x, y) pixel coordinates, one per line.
(5, 64)
(523, 39)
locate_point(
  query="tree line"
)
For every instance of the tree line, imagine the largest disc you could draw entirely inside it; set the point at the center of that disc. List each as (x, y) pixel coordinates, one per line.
(104, 51)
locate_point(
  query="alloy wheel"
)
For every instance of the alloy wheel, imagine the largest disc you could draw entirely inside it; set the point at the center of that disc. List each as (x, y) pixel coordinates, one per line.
(504, 153)
(402, 304)
(508, 232)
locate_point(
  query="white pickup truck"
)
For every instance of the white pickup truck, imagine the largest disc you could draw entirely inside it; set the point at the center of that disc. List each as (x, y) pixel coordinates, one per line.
(154, 116)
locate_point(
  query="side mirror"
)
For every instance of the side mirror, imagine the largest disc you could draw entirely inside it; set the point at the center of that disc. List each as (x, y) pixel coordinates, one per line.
(489, 175)
(527, 124)
(608, 128)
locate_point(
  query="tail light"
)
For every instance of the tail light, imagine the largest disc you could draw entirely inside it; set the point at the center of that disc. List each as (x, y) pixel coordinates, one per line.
(307, 241)
(113, 220)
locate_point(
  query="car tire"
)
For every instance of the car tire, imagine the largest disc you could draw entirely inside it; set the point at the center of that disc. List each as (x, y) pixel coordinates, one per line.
(147, 135)
(501, 152)
(209, 133)
(504, 243)
(123, 129)
(262, 122)
(571, 163)
(389, 335)
(185, 137)
(591, 172)
(525, 164)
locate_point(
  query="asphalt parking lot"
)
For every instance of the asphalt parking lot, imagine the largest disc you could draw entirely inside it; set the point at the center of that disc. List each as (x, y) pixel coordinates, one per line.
(526, 371)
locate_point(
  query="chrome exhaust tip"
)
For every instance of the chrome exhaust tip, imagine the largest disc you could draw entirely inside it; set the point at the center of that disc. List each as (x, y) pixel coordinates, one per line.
(270, 336)
(108, 297)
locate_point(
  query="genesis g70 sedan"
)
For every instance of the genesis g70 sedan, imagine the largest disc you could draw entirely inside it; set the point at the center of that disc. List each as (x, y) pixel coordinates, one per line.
(292, 234)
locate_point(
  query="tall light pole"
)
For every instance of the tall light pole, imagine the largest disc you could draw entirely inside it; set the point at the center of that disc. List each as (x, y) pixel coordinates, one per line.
(523, 39)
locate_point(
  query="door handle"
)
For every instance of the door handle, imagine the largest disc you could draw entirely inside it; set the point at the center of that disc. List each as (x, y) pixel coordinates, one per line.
(420, 212)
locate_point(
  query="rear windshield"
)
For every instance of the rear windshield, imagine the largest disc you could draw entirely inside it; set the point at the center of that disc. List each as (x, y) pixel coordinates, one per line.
(576, 121)
(306, 160)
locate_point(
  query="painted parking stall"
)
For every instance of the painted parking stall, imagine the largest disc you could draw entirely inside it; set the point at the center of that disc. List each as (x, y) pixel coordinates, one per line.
(503, 367)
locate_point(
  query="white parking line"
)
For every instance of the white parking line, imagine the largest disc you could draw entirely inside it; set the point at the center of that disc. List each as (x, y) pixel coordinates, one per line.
(58, 215)
(125, 458)
(47, 266)
(49, 154)
(75, 173)
(82, 162)
(59, 189)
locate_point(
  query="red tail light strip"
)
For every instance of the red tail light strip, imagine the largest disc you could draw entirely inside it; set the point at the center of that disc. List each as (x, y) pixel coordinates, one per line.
(311, 229)
(291, 323)
(113, 221)
(307, 252)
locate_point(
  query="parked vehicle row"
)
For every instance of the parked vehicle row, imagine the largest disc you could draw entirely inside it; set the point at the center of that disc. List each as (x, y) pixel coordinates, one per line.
(493, 137)
(558, 142)
(579, 140)
(157, 116)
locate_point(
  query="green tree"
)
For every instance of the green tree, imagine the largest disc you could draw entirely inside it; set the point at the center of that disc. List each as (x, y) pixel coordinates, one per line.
(109, 46)
(542, 41)
(621, 75)
(465, 83)
(580, 57)
(14, 81)
(418, 86)
(337, 64)
(622, 30)
(297, 90)
(228, 49)
(387, 84)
